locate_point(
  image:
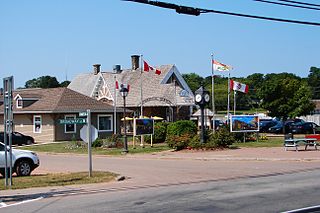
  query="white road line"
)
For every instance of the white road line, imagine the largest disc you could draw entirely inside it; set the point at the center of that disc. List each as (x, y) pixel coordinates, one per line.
(303, 209)
(3, 205)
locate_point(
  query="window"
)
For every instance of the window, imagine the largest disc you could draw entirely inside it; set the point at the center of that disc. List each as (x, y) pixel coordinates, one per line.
(105, 122)
(70, 128)
(37, 123)
(19, 103)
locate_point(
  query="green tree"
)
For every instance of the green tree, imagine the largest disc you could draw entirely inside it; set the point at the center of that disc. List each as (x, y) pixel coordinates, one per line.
(64, 83)
(43, 82)
(193, 80)
(285, 95)
(314, 81)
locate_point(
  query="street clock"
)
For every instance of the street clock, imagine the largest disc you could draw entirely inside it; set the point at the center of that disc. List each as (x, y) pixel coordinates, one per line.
(202, 96)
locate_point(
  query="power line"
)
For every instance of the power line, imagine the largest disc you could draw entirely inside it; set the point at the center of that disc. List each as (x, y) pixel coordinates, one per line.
(288, 5)
(299, 2)
(197, 11)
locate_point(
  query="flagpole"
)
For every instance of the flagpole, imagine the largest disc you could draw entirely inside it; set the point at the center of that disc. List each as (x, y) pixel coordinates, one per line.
(141, 99)
(234, 102)
(228, 107)
(141, 94)
(213, 105)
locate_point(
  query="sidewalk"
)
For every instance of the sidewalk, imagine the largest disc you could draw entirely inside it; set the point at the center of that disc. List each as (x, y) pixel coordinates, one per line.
(172, 168)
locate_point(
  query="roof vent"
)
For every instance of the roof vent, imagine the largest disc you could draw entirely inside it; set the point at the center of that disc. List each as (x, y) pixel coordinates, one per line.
(117, 68)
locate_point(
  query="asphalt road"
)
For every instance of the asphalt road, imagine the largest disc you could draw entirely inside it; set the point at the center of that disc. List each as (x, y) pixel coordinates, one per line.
(274, 193)
(244, 180)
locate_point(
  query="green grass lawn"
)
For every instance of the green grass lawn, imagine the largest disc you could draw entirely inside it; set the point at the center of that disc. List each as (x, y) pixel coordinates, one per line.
(270, 142)
(69, 147)
(59, 179)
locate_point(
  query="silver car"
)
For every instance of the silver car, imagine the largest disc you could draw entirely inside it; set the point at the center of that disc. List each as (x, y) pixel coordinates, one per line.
(23, 161)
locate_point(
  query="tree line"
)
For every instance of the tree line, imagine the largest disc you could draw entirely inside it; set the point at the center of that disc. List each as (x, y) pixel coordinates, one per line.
(283, 95)
(45, 82)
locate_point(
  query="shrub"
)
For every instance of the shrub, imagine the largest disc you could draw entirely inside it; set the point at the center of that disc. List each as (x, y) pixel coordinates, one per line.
(195, 143)
(113, 141)
(222, 138)
(180, 128)
(160, 132)
(97, 143)
(178, 142)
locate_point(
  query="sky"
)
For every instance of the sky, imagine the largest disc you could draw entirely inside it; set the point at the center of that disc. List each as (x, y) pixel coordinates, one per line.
(65, 38)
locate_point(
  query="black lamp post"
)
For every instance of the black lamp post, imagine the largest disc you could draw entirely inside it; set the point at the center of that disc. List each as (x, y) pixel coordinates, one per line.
(202, 98)
(124, 93)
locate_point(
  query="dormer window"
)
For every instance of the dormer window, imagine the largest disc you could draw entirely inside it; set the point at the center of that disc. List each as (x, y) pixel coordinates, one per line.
(19, 103)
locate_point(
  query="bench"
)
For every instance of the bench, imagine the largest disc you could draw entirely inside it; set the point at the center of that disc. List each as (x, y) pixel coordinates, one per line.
(300, 141)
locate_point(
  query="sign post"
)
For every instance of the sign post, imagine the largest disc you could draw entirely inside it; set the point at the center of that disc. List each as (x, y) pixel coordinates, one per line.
(89, 141)
(8, 122)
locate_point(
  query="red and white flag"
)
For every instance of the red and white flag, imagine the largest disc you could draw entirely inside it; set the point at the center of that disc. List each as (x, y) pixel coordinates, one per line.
(237, 86)
(147, 68)
(218, 66)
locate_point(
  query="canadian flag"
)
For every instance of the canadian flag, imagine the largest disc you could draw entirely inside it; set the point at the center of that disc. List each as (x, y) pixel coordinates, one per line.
(147, 68)
(237, 86)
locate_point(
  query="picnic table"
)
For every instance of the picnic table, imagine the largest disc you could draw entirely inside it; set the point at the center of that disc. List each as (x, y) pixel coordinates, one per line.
(300, 141)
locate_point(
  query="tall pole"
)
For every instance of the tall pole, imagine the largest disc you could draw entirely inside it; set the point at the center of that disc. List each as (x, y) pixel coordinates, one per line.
(213, 105)
(202, 124)
(176, 100)
(115, 106)
(228, 107)
(141, 93)
(234, 102)
(8, 122)
(125, 145)
(89, 141)
(141, 99)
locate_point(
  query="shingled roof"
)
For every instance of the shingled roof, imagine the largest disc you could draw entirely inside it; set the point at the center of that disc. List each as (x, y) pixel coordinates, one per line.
(155, 87)
(57, 100)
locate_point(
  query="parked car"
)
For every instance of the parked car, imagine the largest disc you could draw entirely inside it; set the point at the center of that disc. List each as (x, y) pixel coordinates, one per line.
(277, 129)
(18, 138)
(23, 161)
(305, 128)
(265, 124)
(218, 124)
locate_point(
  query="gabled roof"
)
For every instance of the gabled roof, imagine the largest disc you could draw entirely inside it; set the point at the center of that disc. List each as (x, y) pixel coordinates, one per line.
(58, 100)
(153, 86)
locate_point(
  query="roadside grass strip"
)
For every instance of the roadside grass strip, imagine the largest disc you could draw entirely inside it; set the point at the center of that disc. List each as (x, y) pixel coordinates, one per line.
(69, 147)
(59, 179)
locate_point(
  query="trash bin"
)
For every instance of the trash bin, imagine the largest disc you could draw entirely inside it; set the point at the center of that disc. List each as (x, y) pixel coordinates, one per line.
(288, 136)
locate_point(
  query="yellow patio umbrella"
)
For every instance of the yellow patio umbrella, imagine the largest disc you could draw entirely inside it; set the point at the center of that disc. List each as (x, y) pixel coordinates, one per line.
(127, 119)
(156, 118)
(144, 117)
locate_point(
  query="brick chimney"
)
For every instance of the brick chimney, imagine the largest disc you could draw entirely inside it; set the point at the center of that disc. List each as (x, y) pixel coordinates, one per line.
(96, 68)
(135, 61)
